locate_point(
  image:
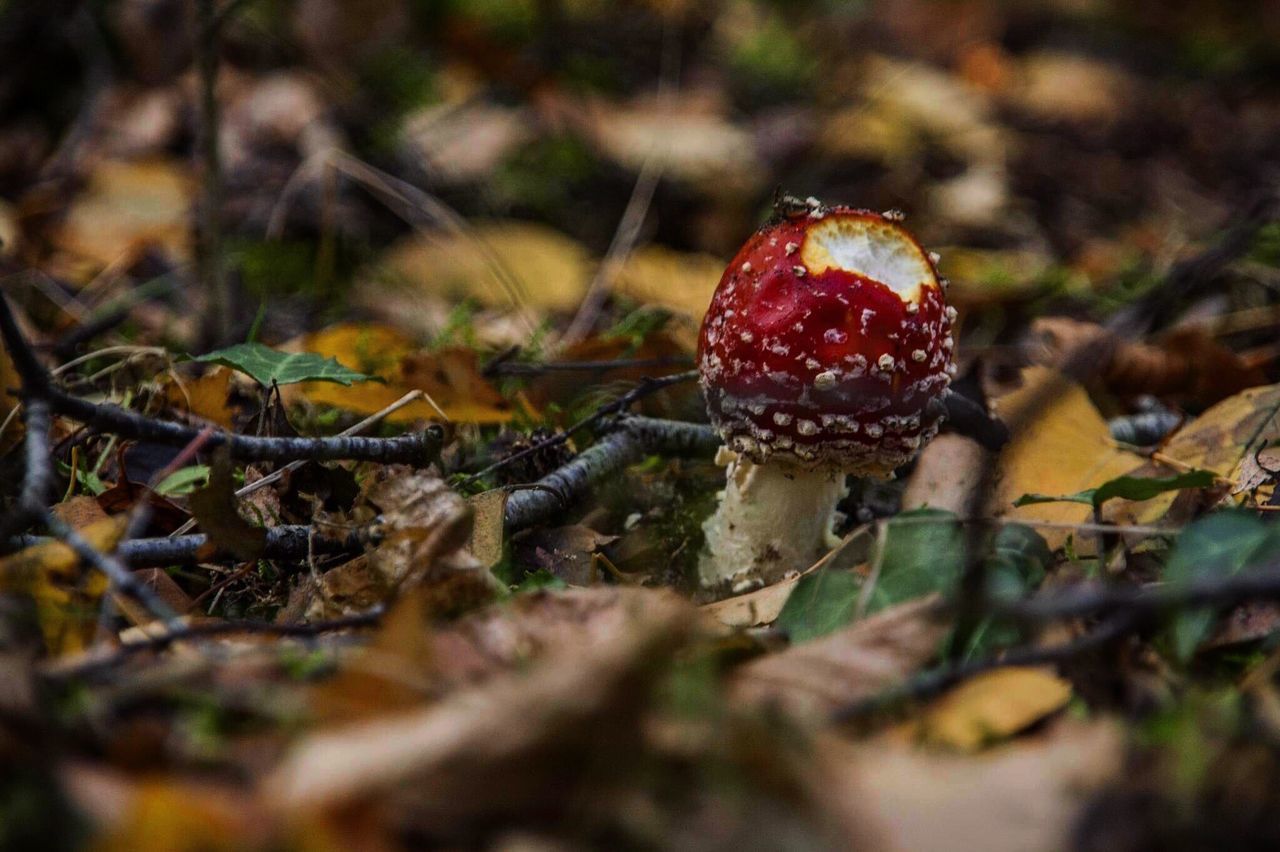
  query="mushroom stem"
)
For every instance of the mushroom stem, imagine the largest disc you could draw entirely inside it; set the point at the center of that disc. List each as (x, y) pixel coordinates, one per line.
(772, 519)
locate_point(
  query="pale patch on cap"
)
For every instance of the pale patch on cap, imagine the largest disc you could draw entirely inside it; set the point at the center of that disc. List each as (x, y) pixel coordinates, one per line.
(872, 248)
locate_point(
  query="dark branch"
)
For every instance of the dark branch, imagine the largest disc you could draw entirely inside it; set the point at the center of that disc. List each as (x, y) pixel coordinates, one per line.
(646, 387)
(287, 542)
(181, 632)
(631, 440)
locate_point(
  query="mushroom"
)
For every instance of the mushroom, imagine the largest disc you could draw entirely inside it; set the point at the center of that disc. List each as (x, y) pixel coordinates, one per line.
(826, 351)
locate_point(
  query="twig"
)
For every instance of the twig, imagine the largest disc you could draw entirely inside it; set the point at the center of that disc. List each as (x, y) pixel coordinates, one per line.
(646, 387)
(631, 440)
(95, 663)
(417, 448)
(285, 542)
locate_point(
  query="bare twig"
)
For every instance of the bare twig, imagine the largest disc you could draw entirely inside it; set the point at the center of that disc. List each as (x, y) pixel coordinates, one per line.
(417, 448)
(631, 440)
(100, 662)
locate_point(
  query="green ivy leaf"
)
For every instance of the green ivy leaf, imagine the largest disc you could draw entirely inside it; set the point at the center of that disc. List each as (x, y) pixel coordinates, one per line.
(1126, 487)
(820, 603)
(922, 554)
(269, 366)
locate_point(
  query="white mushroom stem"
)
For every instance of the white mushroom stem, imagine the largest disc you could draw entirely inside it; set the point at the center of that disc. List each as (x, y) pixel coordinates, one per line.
(773, 519)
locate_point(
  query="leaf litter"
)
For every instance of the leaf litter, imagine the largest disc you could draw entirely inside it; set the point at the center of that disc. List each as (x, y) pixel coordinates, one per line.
(382, 655)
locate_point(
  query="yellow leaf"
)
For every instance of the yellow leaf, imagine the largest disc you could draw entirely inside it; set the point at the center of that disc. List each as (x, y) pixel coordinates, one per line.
(205, 396)
(992, 706)
(450, 376)
(1061, 447)
(128, 206)
(679, 281)
(498, 263)
(66, 594)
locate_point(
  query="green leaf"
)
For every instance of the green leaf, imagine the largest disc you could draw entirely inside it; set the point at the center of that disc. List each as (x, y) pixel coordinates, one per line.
(820, 603)
(1126, 487)
(269, 366)
(922, 554)
(1220, 545)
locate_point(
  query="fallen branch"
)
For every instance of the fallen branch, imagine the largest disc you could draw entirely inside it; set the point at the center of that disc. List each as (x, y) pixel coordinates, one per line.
(286, 542)
(93, 663)
(631, 440)
(646, 387)
(419, 448)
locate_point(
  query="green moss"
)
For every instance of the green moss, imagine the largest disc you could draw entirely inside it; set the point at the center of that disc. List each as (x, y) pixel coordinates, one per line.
(543, 175)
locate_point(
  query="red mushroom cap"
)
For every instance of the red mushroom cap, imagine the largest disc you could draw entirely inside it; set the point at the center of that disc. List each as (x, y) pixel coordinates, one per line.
(826, 340)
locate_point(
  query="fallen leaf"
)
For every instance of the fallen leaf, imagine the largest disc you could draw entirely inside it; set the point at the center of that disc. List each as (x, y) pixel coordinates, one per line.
(67, 595)
(687, 137)
(990, 707)
(681, 282)
(565, 552)
(425, 527)
(459, 143)
(816, 678)
(1220, 440)
(522, 742)
(128, 206)
(206, 396)
(450, 376)
(513, 264)
(1062, 447)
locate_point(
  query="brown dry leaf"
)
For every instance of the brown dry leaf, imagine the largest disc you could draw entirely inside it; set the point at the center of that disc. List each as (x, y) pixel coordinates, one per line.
(1062, 447)
(565, 552)
(816, 678)
(128, 206)
(551, 270)
(413, 658)
(1023, 797)
(450, 376)
(1187, 363)
(205, 396)
(524, 741)
(1070, 87)
(66, 594)
(79, 511)
(426, 526)
(990, 707)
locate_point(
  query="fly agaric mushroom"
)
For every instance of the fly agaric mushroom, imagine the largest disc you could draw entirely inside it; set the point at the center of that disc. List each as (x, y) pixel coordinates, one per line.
(825, 352)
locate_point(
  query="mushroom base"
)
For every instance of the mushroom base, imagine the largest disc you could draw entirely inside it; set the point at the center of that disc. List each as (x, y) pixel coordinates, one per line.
(772, 520)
